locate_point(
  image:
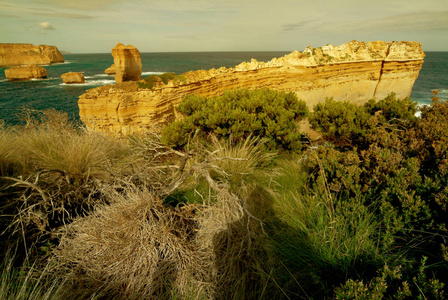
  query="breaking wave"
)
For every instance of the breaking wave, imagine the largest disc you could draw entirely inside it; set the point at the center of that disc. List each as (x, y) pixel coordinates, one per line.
(97, 82)
(152, 73)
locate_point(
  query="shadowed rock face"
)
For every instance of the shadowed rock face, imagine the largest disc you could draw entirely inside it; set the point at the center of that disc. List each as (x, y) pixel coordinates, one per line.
(128, 64)
(19, 73)
(355, 71)
(27, 54)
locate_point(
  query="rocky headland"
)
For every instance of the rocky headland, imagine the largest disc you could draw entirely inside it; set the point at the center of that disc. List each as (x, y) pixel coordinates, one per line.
(27, 54)
(355, 71)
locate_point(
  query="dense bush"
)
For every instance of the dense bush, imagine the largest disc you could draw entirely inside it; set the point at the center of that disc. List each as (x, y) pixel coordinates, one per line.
(340, 122)
(399, 169)
(344, 123)
(239, 113)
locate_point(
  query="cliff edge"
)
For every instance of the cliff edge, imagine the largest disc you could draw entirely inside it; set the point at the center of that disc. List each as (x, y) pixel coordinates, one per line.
(355, 71)
(27, 54)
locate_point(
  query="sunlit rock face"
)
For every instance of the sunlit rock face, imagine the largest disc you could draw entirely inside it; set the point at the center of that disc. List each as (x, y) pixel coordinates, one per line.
(355, 71)
(128, 64)
(73, 77)
(111, 70)
(27, 54)
(19, 73)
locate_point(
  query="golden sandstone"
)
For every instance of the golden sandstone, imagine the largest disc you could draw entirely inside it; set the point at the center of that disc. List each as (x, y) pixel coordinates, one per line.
(19, 73)
(27, 54)
(355, 71)
(73, 77)
(128, 64)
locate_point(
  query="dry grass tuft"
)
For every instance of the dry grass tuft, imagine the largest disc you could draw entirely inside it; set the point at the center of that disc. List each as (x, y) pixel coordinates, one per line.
(135, 248)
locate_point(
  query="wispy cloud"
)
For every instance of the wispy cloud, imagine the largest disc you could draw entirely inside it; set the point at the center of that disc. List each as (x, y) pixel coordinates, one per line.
(87, 5)
(410, 22)
(7, 16)
(46, 26)
(64, 15)
(298, 25)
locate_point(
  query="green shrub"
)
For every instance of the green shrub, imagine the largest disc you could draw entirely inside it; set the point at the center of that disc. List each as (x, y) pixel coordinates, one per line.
(342, 123)
(151, 81)
(347, 124)
(239, 113)
(393, 109)
(394, 283)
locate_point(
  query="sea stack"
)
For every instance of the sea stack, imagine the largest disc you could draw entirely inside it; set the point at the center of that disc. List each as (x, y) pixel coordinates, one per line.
(73, 77)
(128, 64)
(19, 73)
(111, 70)
(27, 54)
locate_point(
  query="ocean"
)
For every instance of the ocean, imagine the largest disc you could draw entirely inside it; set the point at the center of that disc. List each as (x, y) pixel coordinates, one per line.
(52, 93)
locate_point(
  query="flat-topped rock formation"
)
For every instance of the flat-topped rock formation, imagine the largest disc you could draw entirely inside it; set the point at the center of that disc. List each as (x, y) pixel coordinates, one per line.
(19, 73)
(27, 54)
(355, 71)
(128, 64)
(73, 77)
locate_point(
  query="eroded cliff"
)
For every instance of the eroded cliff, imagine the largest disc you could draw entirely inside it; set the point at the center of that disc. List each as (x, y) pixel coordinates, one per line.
(355, 71)
(27, 54)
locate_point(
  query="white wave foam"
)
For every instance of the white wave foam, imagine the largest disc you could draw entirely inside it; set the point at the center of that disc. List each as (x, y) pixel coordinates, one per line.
(152, 73)
(418, 113)
(103, 75)
(3, 80)
(91, 82)
(63, 63)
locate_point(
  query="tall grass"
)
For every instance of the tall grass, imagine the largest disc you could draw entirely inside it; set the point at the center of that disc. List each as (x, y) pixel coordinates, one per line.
(95, 216)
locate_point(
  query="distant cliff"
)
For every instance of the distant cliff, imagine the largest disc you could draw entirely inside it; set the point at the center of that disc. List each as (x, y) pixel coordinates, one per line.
(27, 54)
(355, 71)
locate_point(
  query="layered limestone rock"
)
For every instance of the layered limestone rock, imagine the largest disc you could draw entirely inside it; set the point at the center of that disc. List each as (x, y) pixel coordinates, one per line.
(73, 77)
(27, 54)
(111, 70)
(18, 73)
(355, 71)
(128, 64)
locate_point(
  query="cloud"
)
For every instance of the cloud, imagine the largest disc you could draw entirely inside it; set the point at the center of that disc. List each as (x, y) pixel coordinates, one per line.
(297, 26)
(46, 26)
(83, 4)
(64, 15)
(411, 22)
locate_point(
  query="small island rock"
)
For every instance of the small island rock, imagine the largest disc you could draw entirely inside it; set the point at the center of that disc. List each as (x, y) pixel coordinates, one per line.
(111, 70)
(73, 77)
(25, 73)
(128, 63)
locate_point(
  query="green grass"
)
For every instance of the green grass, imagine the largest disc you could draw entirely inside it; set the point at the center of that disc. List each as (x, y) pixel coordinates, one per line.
(151, 81)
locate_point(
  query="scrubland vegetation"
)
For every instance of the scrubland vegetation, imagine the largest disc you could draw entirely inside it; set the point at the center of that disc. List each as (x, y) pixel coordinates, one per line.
(230, 203)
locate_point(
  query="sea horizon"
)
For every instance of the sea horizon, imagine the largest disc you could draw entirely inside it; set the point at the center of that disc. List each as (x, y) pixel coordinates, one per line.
(51, 92)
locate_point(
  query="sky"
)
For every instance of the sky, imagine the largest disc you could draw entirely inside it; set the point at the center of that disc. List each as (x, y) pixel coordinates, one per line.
(96, 26)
